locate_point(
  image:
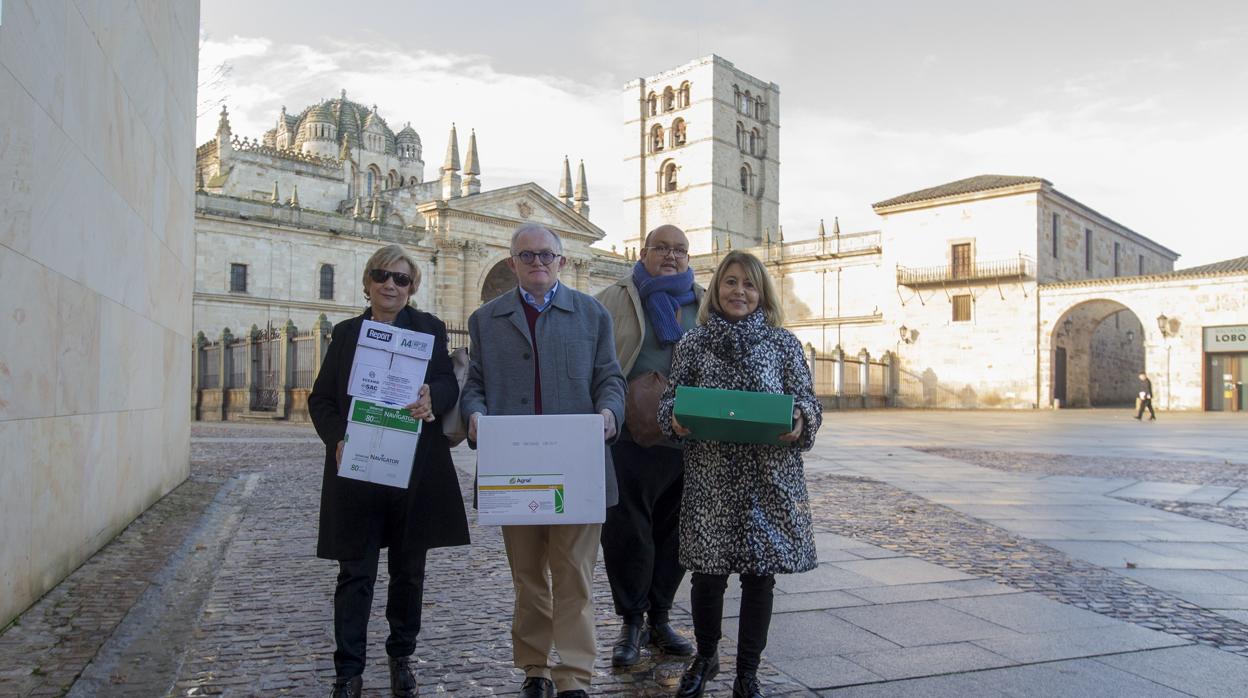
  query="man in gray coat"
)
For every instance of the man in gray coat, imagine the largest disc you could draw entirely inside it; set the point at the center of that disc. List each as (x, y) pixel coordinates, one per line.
(545, 348)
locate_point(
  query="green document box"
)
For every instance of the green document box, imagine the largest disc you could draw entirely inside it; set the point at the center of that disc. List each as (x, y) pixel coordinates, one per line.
(734, 415)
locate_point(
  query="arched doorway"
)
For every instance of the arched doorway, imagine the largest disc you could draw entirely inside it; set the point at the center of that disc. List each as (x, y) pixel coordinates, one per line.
(1097, 354)
(500, 280)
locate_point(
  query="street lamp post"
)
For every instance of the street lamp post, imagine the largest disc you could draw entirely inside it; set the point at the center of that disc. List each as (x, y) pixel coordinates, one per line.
(1169, 327)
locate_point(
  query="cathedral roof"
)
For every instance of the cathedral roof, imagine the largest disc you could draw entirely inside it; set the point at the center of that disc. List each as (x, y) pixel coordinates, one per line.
(350, 118)
(408, 133)
(970, 185)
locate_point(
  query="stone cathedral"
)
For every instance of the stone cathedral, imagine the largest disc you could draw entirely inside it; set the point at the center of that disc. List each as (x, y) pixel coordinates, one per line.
(285, 220)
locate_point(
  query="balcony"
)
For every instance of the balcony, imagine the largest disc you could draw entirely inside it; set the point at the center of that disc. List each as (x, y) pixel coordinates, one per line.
(972, 272)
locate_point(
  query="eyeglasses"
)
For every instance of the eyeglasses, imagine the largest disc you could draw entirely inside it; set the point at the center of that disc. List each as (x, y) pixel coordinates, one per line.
(675, 252)
(545, 257)
(379, 276)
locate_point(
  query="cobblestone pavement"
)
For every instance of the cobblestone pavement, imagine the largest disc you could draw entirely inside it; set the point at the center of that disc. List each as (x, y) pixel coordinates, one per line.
(215, 589)
(266, 627)
(894, 519)
(1164, 470)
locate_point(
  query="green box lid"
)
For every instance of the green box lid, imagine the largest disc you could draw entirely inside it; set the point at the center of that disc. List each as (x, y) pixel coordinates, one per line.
(736, 416)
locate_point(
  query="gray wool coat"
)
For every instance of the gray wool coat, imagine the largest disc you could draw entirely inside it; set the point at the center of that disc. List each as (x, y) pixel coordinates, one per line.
(576, 350)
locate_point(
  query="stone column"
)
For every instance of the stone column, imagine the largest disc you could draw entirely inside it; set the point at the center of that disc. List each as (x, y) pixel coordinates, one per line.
(222, 377)
(838, 375)
(197, 353)
(864, 375)
(284, 340)
(448, 297)
(472, 271)
(890, 381)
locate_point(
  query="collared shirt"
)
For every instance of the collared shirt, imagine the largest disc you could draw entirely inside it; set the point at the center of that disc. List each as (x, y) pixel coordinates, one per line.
(532, 300)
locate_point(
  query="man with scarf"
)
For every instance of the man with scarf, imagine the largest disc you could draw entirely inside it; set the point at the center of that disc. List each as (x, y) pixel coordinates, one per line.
(650, 310)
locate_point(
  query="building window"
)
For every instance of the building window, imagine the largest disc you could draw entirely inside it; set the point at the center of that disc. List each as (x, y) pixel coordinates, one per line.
(327, 282)
(1117, 249)
(745, 179)
(669, 99)
(684, 95)
(962, 308)
(760, 110)
(656, 138)
(1087, 249)
(238, 278)
(740, 136)
(1141, 271)
(652, 104)
(678, 132)
(667, 177)
(747, 103)
(370, 184)
(1056, 223)
(960, 260)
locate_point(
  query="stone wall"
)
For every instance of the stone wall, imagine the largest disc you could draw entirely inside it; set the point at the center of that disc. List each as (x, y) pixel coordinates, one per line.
(96, 260)
(1174, 363)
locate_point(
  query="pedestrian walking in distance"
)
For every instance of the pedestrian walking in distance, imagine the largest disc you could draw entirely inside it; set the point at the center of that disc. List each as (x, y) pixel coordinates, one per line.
(1146, 399)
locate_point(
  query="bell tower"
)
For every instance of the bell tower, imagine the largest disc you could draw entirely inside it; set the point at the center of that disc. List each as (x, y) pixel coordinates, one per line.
(707, 153)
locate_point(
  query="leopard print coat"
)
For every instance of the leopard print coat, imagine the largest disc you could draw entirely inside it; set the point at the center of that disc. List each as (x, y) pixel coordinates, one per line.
(745, 507)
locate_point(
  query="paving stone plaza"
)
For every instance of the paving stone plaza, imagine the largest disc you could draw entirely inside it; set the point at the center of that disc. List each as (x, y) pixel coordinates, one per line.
(1075, 553)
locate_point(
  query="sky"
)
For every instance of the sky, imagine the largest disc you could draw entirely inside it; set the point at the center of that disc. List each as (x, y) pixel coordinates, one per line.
(1137, 109)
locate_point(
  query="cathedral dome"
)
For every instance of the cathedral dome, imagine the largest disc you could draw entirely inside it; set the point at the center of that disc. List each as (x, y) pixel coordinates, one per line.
(408, 135)
(350, 120)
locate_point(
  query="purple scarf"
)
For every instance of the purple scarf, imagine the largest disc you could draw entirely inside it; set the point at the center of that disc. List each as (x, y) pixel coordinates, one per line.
(662, 296)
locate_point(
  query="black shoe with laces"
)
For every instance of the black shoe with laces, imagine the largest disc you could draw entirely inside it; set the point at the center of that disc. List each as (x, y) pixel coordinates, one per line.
(746, 686)
(349, 687)
(403, 678)
(701, 670)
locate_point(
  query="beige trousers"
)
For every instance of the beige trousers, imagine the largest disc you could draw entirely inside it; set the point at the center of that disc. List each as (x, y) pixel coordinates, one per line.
(552, 568)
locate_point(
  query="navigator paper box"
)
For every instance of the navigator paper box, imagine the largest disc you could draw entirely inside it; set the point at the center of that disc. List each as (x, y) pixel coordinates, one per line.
(543, 469)
(380, 444)
(733, 415)
(390, 363)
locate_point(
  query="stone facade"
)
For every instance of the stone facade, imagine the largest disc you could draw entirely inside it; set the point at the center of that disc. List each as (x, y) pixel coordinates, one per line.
(301, 224)
(708, 152)
(96, 260)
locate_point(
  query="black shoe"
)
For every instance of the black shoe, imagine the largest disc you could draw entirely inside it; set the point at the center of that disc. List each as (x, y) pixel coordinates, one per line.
(402, 678)
(578, 693)
(628, 648)
(665, 637)
(537, 687)
(348, 687)
(1152, 419)
(700, 671)
(746, 686)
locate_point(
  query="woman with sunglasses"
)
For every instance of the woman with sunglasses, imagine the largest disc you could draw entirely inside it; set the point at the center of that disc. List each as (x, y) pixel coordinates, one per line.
(359, 518)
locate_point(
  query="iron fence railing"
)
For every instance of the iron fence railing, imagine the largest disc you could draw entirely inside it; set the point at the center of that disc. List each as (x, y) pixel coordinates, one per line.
(1018, 268)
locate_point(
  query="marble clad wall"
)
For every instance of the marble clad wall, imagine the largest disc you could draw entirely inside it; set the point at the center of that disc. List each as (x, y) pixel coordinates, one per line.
(97, 255)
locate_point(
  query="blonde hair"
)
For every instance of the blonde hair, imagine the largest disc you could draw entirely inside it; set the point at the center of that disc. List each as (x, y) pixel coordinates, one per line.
(386, 256)
(754, 270)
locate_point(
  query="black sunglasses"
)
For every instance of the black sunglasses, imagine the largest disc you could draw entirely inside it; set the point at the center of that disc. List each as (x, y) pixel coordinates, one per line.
(380, 275)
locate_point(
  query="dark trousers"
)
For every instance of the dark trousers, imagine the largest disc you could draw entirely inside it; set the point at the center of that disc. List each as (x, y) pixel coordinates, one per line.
(1146, 402)
(707, 599)
(641, 536)
(353, 602)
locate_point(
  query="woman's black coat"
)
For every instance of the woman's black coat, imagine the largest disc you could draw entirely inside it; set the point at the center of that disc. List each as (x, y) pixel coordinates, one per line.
(433, 502)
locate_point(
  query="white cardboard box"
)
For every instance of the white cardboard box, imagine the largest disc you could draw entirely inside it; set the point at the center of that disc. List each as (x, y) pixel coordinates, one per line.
(543, 469)
(390, 363)
(380, 444)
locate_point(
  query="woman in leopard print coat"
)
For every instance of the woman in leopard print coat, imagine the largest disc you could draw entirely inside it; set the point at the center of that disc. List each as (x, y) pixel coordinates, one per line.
(745, 509)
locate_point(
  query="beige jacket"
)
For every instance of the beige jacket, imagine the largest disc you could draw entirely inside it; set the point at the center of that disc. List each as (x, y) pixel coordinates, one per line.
(623, 301)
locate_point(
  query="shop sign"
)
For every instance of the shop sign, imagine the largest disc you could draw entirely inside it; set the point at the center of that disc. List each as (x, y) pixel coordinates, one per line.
(1229, 338)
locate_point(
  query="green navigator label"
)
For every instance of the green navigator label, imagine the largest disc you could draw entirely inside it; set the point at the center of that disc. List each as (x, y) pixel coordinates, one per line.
(383, 416)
